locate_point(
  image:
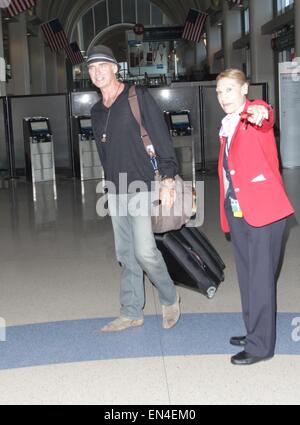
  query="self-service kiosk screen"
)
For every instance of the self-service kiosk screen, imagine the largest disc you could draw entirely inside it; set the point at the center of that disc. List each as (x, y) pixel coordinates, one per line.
(39, 127)
(85, 125)
(180, 120)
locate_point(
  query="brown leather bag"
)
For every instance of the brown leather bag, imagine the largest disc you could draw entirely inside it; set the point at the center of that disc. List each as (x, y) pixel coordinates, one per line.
(164, 219)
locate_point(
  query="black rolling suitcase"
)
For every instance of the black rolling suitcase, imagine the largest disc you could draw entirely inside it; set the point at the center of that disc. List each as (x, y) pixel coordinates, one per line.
(191, 259)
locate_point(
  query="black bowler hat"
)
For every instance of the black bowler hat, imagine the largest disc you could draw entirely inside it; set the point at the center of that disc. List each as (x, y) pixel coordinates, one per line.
(101, 54)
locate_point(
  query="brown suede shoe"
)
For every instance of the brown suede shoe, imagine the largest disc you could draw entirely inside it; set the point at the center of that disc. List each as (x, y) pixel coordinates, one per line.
(122, 323)
(171, 314)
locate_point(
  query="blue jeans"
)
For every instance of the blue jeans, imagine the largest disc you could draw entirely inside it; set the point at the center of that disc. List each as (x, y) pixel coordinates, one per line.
(137, 252)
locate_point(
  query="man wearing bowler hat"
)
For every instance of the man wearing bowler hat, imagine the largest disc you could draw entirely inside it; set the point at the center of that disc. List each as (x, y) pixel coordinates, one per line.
(122, 152)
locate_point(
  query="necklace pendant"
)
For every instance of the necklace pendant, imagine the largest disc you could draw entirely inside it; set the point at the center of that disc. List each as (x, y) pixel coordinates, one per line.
(103, 139)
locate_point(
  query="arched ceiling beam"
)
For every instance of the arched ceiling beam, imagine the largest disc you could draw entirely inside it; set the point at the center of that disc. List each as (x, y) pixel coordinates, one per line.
(69, 11)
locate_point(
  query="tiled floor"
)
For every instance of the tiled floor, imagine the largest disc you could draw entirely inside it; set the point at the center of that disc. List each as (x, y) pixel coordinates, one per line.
(57, 264)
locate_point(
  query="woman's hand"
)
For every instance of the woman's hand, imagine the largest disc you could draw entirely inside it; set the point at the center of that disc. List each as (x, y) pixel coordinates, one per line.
(257, 114)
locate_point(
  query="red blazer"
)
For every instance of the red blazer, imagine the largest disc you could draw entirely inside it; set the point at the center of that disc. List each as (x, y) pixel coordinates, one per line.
(254, 167)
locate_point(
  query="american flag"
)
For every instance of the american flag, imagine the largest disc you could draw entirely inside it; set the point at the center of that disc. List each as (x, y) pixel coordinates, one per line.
(14, 7)
(74, 54)
(194, 25)
(55, 35)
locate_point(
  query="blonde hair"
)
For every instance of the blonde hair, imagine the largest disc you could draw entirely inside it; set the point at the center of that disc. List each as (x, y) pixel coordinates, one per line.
(235, 74)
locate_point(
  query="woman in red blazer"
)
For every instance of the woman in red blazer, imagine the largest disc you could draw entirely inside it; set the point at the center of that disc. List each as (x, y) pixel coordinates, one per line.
(253, 208)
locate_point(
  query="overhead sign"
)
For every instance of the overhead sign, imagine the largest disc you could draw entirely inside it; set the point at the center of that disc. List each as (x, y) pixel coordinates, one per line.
(284, 41)
(167, 33)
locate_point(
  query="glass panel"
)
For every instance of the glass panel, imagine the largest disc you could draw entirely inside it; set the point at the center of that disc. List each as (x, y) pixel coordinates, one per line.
(3, 153)
(287, 55)
(114, 8)
(129, 11)
(157, 17)
(88, 28)
(282, 4)
(248, 63)
(75, 36)
(143, 12)
(54, 107)
(246, 21)
(100, 16)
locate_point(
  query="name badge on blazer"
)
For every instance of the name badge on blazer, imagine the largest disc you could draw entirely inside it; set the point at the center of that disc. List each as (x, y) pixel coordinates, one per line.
(236, 210)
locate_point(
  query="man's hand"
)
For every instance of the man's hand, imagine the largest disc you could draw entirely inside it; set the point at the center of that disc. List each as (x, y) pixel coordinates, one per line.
(167, 193)
(257, 114)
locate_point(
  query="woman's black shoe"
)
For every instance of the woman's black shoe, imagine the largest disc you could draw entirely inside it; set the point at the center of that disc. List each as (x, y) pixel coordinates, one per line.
(239, 341)
(245, 359)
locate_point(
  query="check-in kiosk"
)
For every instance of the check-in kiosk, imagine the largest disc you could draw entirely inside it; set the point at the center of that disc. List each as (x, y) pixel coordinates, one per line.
(86, 157)
(39, 153)
(181, 130)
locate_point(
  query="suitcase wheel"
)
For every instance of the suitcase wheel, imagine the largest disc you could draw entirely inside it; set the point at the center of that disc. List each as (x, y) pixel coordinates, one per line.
(211, 292)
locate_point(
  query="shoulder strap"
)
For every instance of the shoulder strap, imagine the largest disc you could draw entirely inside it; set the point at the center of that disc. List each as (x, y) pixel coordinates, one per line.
(135, 109)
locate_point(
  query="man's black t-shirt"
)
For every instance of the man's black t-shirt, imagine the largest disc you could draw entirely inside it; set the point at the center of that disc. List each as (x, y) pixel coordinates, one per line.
(124, 151)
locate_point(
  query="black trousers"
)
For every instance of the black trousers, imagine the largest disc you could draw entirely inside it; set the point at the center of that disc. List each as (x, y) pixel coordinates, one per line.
(257, 253)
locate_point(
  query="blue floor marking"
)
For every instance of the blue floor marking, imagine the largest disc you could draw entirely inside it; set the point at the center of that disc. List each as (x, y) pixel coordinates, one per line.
(79, 340)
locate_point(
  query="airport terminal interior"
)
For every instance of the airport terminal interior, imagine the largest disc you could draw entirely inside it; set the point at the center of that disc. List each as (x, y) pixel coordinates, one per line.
(59, 276)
